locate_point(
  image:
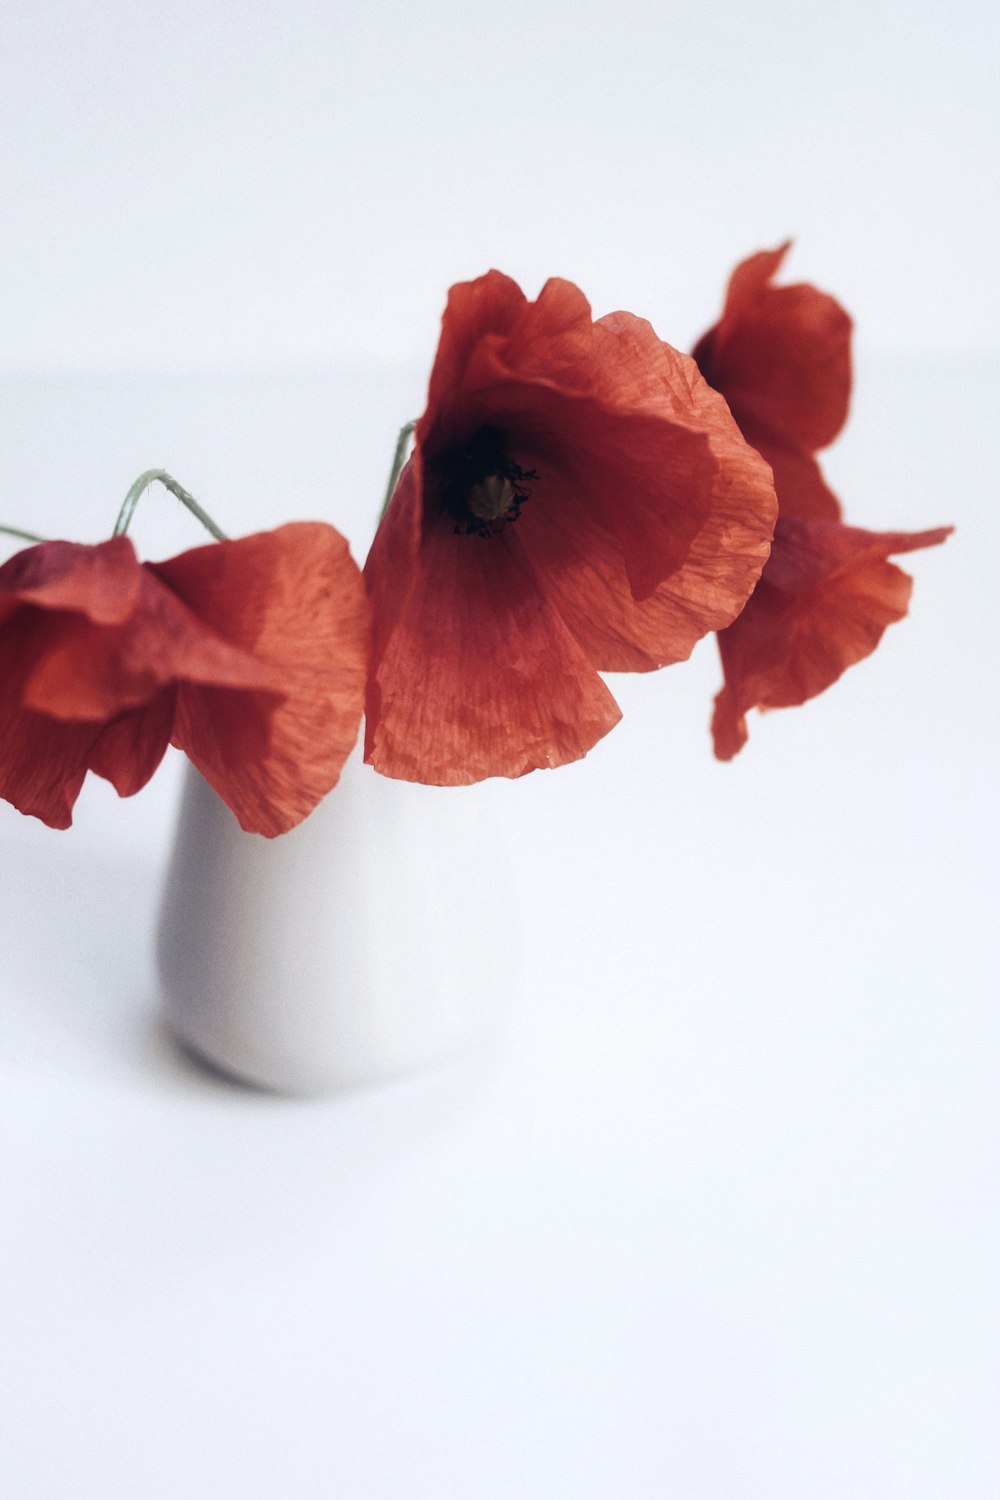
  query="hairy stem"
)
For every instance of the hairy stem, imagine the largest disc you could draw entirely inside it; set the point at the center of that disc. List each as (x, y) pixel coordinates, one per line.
(142, 484)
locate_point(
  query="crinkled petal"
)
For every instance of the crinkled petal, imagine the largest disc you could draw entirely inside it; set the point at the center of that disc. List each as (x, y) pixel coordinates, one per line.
(642, 486)
(391, 572)
(101, 582)
(42, 764)
(751, 278)
(128, 750)
(721, 565)
(293, 600)
(825, 598)
(798, 480)
(479, 676)
(96, 672)
(74, 613)
(780, 355)
(493, 336)
(484, 308)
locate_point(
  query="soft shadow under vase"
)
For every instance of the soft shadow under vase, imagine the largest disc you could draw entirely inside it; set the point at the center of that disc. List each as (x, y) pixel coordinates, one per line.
(354, 949)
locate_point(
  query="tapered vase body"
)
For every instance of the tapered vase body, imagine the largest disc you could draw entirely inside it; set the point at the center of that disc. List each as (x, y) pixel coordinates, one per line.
(373, 941)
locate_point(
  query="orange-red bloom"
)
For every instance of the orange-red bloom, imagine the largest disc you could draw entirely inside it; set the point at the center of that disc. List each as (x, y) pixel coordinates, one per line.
(248, 655)
(578, 500)
(782, 358)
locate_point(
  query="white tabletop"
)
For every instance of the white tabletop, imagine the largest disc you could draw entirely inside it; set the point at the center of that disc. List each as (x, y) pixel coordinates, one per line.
(717, 1216)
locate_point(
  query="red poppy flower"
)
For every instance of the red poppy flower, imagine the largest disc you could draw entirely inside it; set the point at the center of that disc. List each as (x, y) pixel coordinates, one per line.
(782, 358)
(578, 500)
(248, 655)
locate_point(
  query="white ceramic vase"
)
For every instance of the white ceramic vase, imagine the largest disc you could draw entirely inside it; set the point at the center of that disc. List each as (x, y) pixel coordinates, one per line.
(359, 947)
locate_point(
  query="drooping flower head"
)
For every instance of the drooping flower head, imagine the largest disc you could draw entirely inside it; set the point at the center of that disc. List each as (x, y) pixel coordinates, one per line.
(781, 355)
(578, 500)
(248, 655)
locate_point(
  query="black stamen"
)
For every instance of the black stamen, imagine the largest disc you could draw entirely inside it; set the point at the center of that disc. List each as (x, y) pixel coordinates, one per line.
(461, 471)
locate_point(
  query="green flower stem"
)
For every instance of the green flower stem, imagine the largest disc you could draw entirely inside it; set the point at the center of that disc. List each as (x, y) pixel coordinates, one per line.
(398, 460)
(142, 483)
(25, 536)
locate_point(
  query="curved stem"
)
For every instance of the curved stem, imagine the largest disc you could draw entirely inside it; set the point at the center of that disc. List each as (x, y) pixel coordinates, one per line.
(25, 536)
(398, 460)
(142, 484)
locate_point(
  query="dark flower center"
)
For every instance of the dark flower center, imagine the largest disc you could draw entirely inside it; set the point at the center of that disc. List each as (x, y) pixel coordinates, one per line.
(481, 487)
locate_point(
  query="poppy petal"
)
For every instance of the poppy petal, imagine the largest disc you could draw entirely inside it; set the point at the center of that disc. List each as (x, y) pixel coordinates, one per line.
(479, 675)
(292, 599)
(798, 480)
(128, 750)
(74, 611)
(487, 306)
(42, 765)
(90, 671)
(589, 586)
(101, 582)
(823, 603)
(643, 485)
(780, 355)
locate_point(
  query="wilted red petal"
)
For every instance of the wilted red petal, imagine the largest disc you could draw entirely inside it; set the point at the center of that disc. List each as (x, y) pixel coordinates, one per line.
(823, 602)
(781, 356)
(480, 676)
(293, 601)
(477, 309)
(91, 672)
(128, 750)
(101, 582)
(42, 765)
(798, 480)
(720, 567)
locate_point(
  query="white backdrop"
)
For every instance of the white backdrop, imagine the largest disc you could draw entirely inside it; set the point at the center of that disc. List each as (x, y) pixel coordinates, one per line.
(225, 184)
(719, 1218)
